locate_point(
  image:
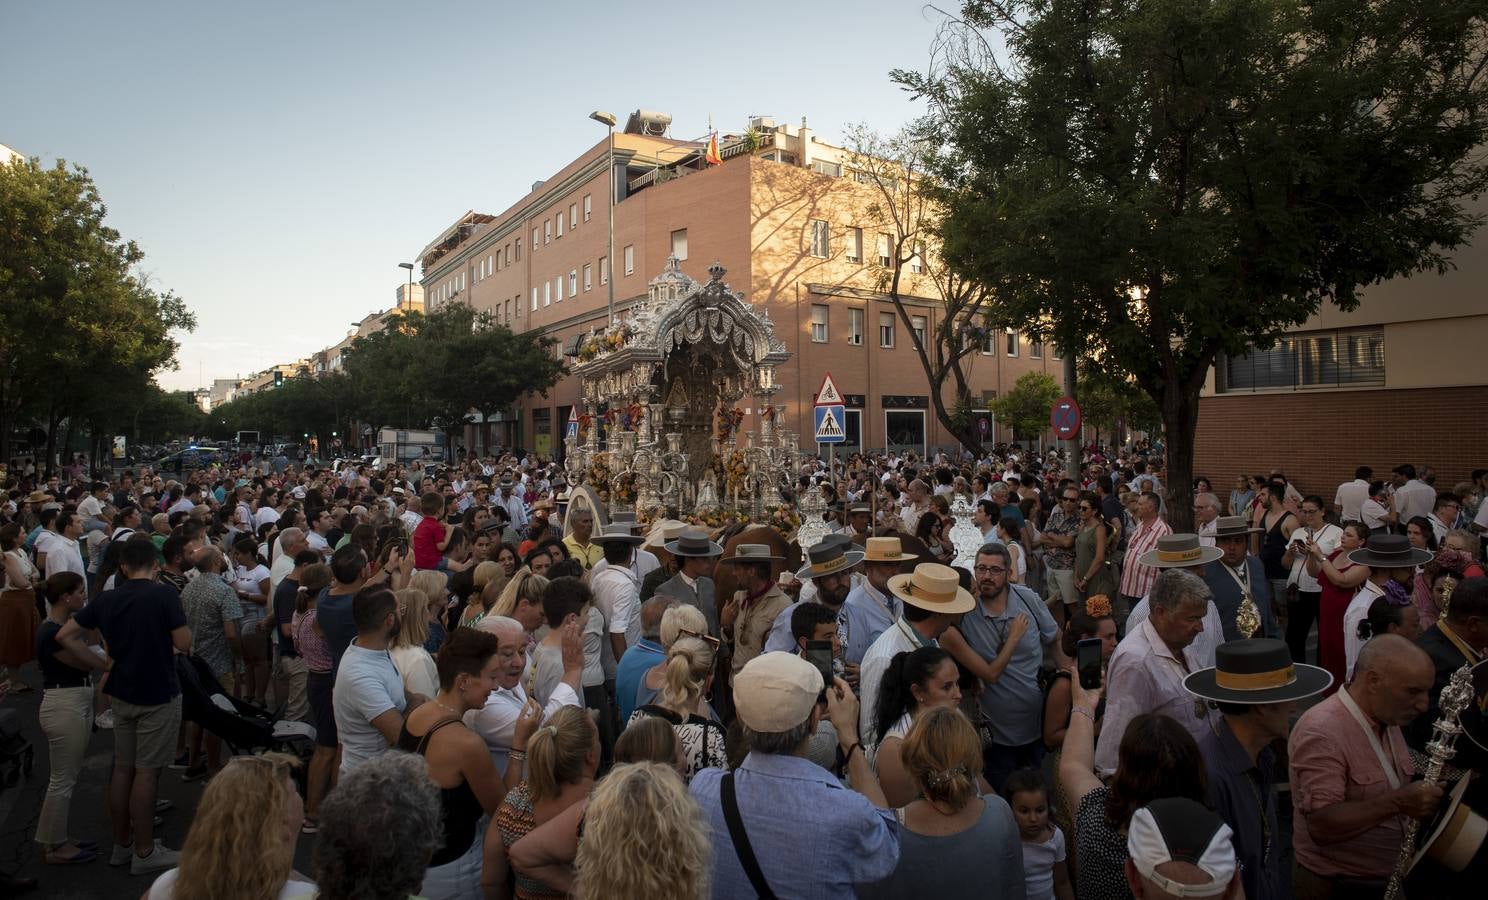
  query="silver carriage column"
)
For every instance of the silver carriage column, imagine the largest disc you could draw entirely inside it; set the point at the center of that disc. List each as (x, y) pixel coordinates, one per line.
(661, 372)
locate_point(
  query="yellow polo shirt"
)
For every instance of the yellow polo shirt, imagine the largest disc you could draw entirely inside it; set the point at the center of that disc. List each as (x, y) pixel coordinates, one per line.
(587, 555)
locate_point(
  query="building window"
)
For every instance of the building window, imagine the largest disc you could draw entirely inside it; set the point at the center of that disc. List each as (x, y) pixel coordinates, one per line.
(821, 167)
(588, 277)
(917, 262)
(679, 245)
(820, 240)
(558, 288)
(885, 329)
(490, 264)
(855, 245)
(559, 219)
(573, 216)
(604, 270)
(819, 314)
(535, 238)
(1035, 349)
(547, 231)
(885, 250)
(519, 250)
(630, 257)
(506, 252)
(918, 324)
(573, 283)
(547, 294)
(1012, 342)
(534, 299)
(588, 206)
(855, 327)
(1346, 357)
(989, 342)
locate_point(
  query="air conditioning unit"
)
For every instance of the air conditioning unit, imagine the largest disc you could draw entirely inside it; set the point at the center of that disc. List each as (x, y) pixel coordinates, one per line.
(762, 123)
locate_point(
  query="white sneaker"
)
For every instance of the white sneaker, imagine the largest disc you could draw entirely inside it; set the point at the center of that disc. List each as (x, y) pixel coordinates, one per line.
(105, 719)
(121, 854)
(160, 858)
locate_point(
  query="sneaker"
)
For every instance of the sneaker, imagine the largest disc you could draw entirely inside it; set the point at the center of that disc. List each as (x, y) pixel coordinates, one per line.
(120, 854)
(183, 761)
(159, 858)
(163, 805)
(105, 719)
(309, 826)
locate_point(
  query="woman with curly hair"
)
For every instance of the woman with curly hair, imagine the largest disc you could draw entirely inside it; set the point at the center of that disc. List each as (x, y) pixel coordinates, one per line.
(379, 829)
(242, 841)
(636, 810)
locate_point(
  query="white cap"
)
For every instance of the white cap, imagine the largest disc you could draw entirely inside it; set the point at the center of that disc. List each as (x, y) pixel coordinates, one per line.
(1176, 829)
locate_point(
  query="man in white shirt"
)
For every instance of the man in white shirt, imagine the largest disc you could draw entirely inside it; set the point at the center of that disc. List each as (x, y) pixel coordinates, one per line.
(642, 564)
(1413, 497)
(91, 506)
(515, 508)
(1349, 499)
(1184, 552)
(617, 594)
(63, 554)
(1444, 515)
(1376, 511)
(291, 542)
(1146, 673)
(496, 722)
(1206, 515)
(369, 698)
(320, 524)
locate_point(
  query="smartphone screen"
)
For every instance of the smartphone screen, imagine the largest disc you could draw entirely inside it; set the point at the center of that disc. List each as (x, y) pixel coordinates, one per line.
(819, 654)
(1088, 662)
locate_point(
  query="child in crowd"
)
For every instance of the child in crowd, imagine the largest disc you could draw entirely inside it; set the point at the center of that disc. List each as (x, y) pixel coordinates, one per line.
(430, 538)
(1045, 875)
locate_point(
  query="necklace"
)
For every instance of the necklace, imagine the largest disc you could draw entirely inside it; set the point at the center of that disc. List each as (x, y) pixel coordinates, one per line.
(449, 709)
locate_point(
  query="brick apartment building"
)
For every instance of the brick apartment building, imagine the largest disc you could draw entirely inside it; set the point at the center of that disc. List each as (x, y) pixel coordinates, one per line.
(788, 219)
(1403, 378)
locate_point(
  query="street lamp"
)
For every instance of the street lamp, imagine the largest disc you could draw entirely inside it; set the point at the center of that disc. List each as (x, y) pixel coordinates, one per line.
(608, 121)
(407, 295)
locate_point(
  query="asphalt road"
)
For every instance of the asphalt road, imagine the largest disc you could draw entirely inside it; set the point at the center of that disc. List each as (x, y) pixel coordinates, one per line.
(20, 807)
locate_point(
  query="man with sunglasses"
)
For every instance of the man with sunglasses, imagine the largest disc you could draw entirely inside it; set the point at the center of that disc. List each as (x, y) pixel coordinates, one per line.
(1059, 548)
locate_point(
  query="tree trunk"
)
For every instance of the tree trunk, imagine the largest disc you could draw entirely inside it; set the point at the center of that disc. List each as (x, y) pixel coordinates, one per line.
(1180, 412)
(53, 420)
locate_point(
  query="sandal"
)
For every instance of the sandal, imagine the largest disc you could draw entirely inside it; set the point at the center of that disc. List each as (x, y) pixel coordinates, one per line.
(77, 857)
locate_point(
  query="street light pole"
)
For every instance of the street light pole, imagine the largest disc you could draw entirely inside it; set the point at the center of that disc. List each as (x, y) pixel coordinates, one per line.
(608, 120)
(408, 294)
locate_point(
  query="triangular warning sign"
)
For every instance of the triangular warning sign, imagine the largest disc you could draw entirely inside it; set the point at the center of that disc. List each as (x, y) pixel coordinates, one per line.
(829, 426)
(828, 395)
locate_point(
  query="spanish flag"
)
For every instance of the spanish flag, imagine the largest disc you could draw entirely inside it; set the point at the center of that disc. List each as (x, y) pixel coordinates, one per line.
(710, 156)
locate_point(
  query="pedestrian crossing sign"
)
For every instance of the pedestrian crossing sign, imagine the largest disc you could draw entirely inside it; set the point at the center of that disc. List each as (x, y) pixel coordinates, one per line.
(829, 421)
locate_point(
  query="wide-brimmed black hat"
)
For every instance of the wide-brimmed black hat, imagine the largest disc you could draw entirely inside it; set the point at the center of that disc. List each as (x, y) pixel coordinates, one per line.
(1259, 670)
(1389, 551)
(829, 557)
(620, 534)
(1233, 526)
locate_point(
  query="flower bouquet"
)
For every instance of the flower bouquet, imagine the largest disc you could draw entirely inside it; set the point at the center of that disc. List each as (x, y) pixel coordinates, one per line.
(785, 520)
(729, 419)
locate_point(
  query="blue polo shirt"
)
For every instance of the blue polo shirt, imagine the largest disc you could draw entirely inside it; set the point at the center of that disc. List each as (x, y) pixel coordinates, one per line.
(1014, 702)
(631, 669)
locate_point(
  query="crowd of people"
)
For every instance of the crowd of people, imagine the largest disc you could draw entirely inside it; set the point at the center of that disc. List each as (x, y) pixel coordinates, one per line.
(512, 696)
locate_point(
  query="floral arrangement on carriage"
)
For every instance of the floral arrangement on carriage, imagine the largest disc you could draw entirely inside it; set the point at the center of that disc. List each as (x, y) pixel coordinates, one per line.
(729, 419)
(623, 489)
(598, 475)
(606, 342)
(785, 519)
(731, 473)
(716, 518)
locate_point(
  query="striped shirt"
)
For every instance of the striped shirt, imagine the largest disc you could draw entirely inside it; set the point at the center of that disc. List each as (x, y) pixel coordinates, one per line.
(1136, 580)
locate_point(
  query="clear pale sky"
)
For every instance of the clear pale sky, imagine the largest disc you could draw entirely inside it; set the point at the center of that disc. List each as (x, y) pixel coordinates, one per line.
(277, 160)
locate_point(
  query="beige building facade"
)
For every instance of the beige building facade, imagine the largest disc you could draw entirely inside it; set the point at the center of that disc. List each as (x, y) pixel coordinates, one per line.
(790, 221)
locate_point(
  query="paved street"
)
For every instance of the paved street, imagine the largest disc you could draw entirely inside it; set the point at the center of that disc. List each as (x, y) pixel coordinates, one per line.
(20, 807)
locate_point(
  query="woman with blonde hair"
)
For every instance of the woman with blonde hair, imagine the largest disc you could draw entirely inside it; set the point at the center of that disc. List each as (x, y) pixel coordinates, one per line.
(637, 809)
(242, 841)
(488, 583)
(952, 836)
(414, 664)
(684, 619)
(689, 675)
(562, 757)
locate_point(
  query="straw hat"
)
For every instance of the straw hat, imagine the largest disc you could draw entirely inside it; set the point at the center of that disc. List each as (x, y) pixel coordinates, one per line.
(38, 497)
(886, 550)
(1179, 551)
(933, 587)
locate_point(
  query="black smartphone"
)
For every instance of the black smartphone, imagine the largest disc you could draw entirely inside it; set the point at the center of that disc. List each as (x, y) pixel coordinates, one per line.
(1088, 662)
(819, 654)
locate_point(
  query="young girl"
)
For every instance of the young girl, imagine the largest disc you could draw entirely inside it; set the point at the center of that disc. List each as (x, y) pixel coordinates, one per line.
(1045, 876)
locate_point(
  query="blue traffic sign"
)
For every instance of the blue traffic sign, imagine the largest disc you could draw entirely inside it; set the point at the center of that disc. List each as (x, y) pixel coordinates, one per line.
(829, 424)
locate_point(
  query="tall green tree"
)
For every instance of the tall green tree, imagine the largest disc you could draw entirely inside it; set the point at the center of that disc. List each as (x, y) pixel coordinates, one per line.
(1161, 182)
(78, 324)
(1025, 407)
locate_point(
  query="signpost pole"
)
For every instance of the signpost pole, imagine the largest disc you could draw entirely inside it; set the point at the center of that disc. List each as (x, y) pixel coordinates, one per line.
(1072, 447)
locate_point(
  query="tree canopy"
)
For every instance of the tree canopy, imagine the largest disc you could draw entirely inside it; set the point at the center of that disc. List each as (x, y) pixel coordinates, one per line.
(82, 333)
(1153, 184)
(1025, 407)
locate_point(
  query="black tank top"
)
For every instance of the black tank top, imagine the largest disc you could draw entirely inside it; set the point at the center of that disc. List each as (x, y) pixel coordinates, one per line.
(1273, 548)
(459, 807)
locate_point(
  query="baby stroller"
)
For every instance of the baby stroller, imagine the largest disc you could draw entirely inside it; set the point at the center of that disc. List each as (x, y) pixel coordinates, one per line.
(243, 727)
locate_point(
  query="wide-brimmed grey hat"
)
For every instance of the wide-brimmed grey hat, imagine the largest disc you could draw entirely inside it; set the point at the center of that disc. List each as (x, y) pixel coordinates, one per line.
(1179, 551)
(1389, 551)
(1254, 671)
(829, 557)
(1233, 526)
(752, 553)
(693, 542)
(617, 534)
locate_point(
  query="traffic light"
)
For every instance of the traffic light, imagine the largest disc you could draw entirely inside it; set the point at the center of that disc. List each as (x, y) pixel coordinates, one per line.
(278, 378)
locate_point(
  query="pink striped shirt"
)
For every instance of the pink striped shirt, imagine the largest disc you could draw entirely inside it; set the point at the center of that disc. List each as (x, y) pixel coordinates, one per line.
(1136, 579)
